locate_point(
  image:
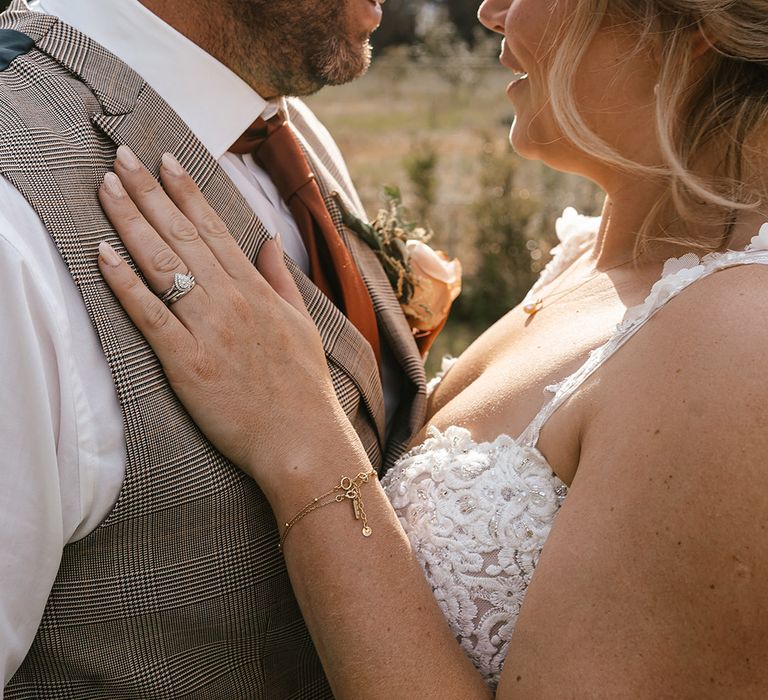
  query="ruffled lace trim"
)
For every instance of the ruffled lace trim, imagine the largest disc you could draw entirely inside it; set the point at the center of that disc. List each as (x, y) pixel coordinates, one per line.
(576, 234)
(760, 241)
(679, 273)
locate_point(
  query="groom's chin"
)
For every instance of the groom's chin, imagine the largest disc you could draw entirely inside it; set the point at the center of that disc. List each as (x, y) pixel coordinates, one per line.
(344, 62)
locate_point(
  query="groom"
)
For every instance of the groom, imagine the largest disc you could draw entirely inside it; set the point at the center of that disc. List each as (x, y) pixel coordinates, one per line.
(136, 562)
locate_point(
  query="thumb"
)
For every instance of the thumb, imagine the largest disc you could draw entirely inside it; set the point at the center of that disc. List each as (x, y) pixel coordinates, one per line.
(271, 265)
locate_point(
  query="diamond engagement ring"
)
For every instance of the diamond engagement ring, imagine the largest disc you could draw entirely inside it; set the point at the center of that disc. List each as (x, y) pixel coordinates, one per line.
(182, 285)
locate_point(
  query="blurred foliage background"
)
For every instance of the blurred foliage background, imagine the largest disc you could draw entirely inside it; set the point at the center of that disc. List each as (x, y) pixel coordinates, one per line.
(431, 117)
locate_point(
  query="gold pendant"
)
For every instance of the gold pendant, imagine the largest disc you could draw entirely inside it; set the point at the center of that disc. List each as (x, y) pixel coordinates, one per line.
(534, 308)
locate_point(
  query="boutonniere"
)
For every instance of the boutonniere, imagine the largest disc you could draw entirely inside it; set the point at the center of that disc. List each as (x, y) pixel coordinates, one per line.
(425, 281)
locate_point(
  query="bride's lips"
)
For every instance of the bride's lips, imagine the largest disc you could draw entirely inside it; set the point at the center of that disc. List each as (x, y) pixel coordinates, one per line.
(509, 60)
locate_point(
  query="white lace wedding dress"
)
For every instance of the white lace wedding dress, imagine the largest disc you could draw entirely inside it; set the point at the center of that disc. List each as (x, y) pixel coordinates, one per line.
(478, 514)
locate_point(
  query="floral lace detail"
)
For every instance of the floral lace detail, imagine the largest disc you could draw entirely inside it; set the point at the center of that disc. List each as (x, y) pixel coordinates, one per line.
(760, 241)
(680, 273)
(576, 234)
(477, 516)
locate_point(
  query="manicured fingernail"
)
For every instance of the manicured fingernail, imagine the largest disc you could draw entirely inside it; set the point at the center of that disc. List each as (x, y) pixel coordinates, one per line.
(279, 241)
(172, 165)
(113, 185)
(127, 159)
(108, 254)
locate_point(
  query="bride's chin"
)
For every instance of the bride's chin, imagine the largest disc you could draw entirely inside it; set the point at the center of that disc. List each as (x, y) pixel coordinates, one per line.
(541, 146)
(519, 141)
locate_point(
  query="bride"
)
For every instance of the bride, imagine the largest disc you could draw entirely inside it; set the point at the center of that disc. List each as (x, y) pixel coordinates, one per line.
(586, 510)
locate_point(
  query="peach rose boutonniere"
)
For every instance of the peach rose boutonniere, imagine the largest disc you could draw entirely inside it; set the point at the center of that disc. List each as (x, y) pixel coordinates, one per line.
(426, 282)
(436, 284)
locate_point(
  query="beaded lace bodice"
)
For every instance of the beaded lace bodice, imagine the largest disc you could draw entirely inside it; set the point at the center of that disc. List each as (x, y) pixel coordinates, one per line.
(478, 514)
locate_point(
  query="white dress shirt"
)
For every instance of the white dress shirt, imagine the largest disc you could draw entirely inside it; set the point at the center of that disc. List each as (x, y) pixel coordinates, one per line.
(61, 428)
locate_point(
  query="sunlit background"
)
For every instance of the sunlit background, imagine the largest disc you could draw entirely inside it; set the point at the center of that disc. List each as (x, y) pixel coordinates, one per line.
(432, 117)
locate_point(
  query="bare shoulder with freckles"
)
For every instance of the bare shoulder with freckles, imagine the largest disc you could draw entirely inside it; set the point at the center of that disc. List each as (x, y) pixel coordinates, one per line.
(652, 583)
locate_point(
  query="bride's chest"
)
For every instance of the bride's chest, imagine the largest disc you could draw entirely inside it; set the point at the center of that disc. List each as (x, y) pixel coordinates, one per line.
(499, 384)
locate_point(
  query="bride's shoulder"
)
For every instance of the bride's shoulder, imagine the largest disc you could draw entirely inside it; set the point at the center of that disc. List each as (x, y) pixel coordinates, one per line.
(697, 366)
(726, 306)
(672, 480)
(679, 412)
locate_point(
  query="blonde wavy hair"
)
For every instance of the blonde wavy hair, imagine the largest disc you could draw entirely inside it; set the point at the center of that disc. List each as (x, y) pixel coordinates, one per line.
(722, 108)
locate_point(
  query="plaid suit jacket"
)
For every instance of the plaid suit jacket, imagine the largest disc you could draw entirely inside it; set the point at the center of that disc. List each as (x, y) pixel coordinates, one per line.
(181, 591)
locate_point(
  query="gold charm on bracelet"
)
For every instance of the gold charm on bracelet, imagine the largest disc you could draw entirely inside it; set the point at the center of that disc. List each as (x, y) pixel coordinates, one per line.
(348, 489)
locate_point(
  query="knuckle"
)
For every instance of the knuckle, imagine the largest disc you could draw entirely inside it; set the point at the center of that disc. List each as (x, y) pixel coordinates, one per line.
(165, 260)
(180, 228)
(147, 186)
(154, 314)
(133, 285)
(203, 367)
(214, 226)
(240, 308)
(133, 218)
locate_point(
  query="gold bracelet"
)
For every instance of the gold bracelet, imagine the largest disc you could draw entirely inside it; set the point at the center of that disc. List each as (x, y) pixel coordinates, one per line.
(348, 489)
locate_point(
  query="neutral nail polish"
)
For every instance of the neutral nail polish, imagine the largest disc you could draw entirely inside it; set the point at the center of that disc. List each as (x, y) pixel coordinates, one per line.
(279, 241)
(108, 254)
(113, 185)
(127, 158)
(172, 165)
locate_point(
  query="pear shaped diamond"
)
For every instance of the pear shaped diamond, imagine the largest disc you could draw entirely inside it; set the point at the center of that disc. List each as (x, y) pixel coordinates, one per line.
(183, 283)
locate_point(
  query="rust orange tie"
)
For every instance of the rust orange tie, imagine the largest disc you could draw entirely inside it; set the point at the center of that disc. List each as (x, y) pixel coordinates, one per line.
(275, 148)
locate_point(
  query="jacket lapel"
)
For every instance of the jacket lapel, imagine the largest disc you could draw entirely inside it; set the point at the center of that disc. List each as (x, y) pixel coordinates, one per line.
(396, 332)
(395, 329)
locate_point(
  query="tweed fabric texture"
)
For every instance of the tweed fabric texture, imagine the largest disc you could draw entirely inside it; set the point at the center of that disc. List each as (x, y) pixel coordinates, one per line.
(181, 591)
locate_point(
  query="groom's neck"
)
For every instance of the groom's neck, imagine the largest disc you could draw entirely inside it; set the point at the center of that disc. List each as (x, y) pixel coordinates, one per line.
(212, 25)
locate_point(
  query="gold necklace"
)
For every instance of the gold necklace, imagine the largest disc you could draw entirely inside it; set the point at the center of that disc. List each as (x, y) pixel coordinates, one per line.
(533, 307)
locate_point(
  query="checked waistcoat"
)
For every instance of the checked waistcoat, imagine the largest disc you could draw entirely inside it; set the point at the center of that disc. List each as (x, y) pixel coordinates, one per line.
(181, 592)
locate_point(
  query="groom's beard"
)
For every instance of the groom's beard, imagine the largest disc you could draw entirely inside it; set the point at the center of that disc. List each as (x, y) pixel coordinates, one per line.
(298, 46)
(341, 60)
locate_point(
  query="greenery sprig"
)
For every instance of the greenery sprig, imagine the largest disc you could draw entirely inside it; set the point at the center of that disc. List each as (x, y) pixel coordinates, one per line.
(387, 235)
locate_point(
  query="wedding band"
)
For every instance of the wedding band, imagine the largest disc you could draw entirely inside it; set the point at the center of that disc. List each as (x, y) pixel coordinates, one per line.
(182, 285)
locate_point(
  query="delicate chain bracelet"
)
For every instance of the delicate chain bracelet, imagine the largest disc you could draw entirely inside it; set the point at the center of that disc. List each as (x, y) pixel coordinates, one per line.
(348, 489)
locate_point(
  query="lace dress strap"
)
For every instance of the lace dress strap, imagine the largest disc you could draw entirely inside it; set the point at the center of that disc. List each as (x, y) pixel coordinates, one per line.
(677, 275)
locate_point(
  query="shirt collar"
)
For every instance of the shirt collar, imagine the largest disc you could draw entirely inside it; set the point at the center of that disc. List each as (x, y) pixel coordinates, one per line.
(216, 104)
